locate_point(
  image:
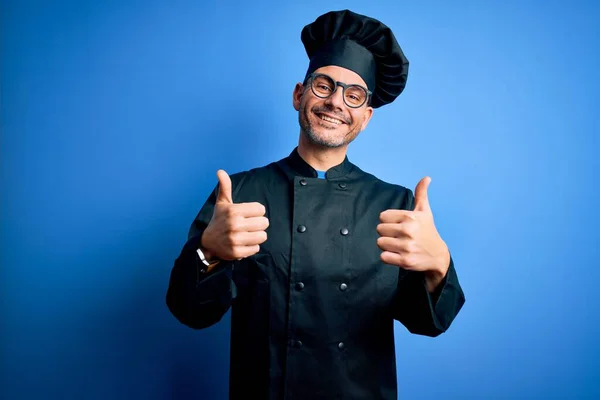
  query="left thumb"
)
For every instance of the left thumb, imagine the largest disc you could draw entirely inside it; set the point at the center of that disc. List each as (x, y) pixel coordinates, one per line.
(421, 200)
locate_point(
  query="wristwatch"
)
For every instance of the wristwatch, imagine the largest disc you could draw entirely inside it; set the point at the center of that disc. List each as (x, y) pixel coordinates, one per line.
(206, 263)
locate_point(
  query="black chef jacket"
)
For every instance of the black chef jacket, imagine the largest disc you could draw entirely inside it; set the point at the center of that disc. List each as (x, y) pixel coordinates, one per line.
(312, 313)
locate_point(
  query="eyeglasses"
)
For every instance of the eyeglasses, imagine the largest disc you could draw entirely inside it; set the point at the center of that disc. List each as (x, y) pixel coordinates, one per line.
(323, 86)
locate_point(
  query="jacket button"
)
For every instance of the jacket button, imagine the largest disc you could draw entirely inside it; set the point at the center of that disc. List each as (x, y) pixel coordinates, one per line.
(299, 286)
(344, 231)
(301, 228)
(303, 182)
(342, 185)
(341, 345)
(343, 287)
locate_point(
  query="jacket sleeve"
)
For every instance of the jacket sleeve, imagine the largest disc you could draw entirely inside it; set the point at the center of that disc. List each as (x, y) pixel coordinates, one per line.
(198, 299)
(425, 313)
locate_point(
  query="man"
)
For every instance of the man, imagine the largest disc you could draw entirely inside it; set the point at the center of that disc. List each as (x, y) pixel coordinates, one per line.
(315, 257)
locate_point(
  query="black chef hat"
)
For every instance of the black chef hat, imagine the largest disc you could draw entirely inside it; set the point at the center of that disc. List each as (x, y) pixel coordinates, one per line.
(361, 44)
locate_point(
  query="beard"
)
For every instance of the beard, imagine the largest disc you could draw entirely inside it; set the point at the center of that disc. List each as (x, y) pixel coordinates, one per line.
(322, 134)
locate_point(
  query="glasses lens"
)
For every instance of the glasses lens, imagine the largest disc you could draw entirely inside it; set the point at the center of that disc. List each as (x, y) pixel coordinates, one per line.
(355, 96)
(322, 85)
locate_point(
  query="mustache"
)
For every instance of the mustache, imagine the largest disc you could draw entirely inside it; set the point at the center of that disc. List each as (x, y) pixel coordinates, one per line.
(332, 112)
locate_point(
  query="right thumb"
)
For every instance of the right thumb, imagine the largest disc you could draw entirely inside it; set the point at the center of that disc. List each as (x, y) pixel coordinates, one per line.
(224, 195)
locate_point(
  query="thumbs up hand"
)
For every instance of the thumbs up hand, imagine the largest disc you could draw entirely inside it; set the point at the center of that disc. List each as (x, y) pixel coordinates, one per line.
(235, 230)
(410, 240)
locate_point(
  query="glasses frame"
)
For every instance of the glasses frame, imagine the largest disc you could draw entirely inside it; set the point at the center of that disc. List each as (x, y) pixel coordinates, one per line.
(310, 78)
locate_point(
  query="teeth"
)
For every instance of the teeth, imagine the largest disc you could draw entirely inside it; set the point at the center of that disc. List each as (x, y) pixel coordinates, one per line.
(335, 121)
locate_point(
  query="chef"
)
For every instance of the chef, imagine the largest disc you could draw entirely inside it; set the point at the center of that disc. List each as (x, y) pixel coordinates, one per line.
(315, 257)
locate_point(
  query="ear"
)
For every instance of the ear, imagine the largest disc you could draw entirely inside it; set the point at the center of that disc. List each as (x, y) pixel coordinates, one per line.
(297, 96)
(367, 117)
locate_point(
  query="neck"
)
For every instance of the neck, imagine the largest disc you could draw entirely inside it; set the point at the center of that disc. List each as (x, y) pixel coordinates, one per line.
(319, 157)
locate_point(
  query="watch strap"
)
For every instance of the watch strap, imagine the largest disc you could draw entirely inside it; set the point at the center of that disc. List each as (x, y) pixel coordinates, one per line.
(204, 260)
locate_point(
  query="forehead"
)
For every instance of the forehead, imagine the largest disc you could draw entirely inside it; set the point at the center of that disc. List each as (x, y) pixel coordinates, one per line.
(342, 74)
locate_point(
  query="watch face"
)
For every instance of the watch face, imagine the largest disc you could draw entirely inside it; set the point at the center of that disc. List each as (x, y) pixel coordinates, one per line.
(202, 258)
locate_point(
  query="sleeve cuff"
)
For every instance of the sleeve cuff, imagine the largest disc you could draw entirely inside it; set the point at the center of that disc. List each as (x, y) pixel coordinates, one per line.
(447, 300)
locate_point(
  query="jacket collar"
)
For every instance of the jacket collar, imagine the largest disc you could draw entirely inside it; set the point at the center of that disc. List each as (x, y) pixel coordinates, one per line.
(301, 167)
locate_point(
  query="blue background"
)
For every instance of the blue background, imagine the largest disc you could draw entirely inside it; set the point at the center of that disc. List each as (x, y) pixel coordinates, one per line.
(117, 114)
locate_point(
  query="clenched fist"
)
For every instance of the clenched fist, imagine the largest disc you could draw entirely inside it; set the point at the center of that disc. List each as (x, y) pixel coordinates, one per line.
(235, 230)
(409, 239)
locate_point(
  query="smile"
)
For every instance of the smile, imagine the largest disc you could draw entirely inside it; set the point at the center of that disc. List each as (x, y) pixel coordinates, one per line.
(330, 119)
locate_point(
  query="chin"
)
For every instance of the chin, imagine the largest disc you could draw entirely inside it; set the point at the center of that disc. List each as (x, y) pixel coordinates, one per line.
(323, 137)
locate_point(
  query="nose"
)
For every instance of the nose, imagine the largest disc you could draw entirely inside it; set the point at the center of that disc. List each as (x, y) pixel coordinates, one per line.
(337, 98)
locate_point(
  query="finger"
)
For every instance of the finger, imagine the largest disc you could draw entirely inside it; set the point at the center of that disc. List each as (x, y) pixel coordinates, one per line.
(248, 210)
(399, 230)
(249, 238)
(392, 258)
(224, 195)
(396, 245)
(396, 216)
(421, 199)
(253, 224)
(241, 252)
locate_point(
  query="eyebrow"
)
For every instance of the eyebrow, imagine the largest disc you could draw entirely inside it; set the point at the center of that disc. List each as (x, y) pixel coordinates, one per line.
(337, 80)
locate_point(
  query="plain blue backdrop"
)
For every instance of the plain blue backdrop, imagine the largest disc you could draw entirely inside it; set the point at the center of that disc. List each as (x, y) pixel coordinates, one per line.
(117, 114)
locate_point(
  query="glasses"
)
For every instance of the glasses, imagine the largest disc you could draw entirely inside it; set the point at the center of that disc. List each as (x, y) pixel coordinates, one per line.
(323, 86)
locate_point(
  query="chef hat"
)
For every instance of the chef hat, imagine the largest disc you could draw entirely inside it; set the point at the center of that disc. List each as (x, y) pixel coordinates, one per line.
(361, 44)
